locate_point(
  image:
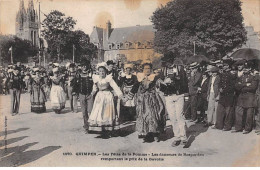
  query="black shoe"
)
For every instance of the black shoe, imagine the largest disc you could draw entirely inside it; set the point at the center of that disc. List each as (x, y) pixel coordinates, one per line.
(176, 143)
(157, 139)
(206, 125)
(140, 136)
(145, 139)
(148, 138)
(257, 131)
(226, 129)
(113, 134)
(13, 114)
(246, 132)
(236, 131)
(203, 121)
(183, 142)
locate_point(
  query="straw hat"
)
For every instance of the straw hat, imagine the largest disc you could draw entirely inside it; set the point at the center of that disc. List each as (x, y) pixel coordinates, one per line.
(56, 69)
(36, 69)
(194, 65)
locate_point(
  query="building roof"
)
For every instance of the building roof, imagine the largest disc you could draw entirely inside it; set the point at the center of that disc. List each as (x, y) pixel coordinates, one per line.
(132, 34)
(97, 35)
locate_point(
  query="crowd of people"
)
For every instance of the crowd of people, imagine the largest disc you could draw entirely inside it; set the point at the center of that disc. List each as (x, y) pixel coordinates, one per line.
(221, 94)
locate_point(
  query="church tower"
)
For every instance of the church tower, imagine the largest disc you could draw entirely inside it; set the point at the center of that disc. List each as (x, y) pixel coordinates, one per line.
(27, 24)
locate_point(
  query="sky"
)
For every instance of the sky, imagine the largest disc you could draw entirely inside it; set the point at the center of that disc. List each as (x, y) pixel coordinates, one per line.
(121, 13)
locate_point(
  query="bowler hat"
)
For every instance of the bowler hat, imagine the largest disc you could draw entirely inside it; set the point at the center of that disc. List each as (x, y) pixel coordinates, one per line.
(240, 62)
(110, 62)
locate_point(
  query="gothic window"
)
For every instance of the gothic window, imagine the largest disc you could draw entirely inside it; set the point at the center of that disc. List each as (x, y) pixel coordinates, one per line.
(32, 37)
(118, 46)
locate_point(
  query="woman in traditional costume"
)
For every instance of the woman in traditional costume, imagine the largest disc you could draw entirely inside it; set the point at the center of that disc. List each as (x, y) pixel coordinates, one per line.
(126, 82)
(150, 112)
(57, 95)
(36, 90)
(103, 116)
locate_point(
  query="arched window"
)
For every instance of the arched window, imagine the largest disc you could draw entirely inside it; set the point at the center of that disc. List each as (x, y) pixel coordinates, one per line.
(32, 37)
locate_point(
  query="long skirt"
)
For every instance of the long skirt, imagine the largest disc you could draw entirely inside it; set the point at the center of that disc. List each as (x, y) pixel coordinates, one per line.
(47, 90)
(58, 97)
(38, 100)
(103, 114)
(127, 109)
(150, 113)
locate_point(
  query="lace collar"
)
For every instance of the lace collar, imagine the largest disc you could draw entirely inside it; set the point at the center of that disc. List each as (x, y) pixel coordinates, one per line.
(141, 76)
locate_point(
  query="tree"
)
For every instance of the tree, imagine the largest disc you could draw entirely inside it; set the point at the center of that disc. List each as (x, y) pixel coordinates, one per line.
(216, 27)
(22, 49)
(82, 44)
(59, 34)
(55, 29)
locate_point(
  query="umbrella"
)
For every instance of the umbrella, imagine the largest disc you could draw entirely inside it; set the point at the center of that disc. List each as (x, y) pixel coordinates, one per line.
(247, 54)
(198, 59)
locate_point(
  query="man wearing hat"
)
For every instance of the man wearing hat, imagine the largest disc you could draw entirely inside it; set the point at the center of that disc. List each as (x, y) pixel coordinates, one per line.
(111, 70)
(240, 66)
(202, 97)
(174, 87)
(194, 83)
(226, 98)
(73, 98)
(213, 95)
(15, 86)
(82, 85)
(246, 85)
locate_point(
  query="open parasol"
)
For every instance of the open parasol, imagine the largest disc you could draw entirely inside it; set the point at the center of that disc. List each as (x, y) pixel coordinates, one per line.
(247, 54)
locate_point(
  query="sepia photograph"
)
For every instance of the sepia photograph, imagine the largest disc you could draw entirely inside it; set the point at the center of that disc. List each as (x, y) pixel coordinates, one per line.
(129, 83)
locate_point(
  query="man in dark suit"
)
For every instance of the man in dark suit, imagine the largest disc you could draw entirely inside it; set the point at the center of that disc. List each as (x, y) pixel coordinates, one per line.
(202, 97)
(257, 121)
(82, 85)
(246, 85)
(174, 87)
(194, 83)
(213, 95)
(226, 99)
(73, 97)
(111, 70)
(15, 86)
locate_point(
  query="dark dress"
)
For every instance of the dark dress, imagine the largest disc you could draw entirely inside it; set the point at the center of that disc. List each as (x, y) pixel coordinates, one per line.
(150, 110)
(37, 95)
(127, 109)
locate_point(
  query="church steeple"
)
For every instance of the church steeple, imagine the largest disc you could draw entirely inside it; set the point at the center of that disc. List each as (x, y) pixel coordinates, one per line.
(31, 11)
(27, 23)
(30, 5)
(21, 15)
